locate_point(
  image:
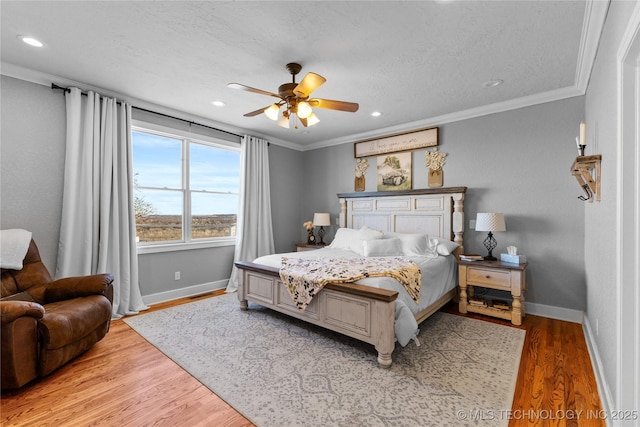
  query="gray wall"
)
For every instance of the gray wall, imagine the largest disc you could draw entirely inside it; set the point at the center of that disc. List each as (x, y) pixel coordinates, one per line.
(32, 162)
(285, 168)
(516, 162)
(601, 222)
(196, 267)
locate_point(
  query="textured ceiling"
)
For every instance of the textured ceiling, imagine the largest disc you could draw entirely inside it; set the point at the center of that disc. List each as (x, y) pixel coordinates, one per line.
(420, 63)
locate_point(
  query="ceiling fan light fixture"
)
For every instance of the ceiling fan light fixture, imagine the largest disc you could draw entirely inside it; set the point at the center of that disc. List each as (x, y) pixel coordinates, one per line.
(312, 119)
(284, 122)
(295, 99)
(272, 111)
(304, 110)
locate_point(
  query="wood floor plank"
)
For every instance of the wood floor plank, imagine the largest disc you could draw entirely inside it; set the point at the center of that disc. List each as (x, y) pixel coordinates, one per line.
(124, 380)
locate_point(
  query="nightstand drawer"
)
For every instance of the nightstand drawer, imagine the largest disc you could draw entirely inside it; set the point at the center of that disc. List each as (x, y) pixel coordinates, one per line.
(493, 278)
(301, 247)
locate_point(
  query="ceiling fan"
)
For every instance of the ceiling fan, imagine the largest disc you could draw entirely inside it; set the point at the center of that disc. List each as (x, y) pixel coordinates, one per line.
(295, 98)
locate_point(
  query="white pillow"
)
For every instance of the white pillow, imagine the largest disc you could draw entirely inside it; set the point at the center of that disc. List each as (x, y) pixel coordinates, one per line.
(382, 247)
(351, 239)
(443, 247)
(414, 244)
(365, 233)
(343, 238)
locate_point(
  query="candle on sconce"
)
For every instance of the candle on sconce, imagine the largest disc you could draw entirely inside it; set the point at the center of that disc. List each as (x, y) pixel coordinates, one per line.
(583, 133)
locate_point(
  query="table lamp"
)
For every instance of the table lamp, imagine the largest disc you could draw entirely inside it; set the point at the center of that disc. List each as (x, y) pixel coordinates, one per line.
(490, 222)
(321, 219)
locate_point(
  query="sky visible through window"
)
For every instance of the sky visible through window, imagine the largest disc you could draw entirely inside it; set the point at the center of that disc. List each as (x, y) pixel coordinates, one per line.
(157, 163)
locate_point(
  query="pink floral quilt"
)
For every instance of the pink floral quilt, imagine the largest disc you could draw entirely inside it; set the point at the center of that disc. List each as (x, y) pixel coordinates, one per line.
(304, 278)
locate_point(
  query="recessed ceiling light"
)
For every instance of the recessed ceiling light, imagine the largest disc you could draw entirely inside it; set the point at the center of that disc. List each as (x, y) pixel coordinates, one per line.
(492, 83)
(376, 114)
(218, 103)
(30, 41)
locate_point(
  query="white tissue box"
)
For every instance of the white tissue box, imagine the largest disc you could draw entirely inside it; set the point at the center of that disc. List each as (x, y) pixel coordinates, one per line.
(514, 259)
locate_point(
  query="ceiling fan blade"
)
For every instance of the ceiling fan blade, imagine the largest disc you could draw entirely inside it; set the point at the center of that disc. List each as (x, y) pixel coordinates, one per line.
(252, 89)
(257, 112)
(311, 82)
(330, 104)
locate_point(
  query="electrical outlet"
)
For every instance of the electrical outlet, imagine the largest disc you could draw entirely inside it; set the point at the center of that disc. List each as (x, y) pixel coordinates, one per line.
(472, 224)
(177, 275)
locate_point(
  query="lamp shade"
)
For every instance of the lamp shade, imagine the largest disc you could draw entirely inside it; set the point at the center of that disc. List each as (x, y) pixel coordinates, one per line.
(490, 222)
(304, 110)
(312, 119)
(272, 111)
(321, 219)
(284, 122)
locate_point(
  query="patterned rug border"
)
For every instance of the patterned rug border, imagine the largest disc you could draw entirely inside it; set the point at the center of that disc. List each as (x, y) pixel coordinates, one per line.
(196, 355)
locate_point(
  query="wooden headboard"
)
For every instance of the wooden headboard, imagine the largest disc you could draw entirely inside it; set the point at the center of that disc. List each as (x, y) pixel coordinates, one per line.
(436, 212)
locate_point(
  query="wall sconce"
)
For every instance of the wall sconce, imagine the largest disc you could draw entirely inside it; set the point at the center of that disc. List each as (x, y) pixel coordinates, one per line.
(490, 222)
(322, 220)
(586, 169)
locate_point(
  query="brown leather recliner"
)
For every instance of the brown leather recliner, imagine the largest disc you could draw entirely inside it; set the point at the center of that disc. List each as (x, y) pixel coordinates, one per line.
(46, 323)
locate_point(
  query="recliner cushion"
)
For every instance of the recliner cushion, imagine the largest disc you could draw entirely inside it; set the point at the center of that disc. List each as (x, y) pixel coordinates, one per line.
(19, 352)
(65, 322)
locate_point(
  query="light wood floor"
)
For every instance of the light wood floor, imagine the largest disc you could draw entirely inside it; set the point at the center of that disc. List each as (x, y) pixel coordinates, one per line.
(125, 381)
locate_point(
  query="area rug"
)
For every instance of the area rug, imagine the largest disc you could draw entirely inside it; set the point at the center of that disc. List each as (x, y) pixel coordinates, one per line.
(278, 371)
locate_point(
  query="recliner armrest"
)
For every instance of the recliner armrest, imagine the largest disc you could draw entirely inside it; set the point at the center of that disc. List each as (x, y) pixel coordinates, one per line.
(80, 286)
(12, 310)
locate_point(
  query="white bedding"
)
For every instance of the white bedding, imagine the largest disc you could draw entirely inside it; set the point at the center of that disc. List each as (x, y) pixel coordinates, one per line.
(438, 277)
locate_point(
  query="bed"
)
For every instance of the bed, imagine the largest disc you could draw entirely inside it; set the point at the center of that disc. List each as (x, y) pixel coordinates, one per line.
(371, 309)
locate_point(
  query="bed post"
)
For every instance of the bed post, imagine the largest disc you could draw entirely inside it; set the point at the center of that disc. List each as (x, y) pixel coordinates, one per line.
(242, 291)
(457, 218)
(343, 213)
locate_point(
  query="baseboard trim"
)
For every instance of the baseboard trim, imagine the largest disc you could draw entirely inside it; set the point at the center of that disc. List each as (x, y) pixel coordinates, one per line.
(606, 398)
(189, 291)
(553, 312)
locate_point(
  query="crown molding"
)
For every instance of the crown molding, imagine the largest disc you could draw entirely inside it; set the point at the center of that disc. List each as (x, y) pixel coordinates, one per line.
(499, 107)
(45, 79)
(595, 14)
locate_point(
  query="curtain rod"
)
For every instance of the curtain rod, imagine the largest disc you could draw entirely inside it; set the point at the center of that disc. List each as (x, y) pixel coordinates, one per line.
(66, 89)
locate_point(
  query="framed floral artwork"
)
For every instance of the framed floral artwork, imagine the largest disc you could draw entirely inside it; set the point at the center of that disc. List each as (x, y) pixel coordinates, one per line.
(394, 172)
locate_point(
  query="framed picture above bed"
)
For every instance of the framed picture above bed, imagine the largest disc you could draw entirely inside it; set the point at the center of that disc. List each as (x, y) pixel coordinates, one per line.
(394, 172)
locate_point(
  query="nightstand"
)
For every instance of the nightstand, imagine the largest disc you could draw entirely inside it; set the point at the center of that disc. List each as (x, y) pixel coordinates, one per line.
(493, 275)
(300, 247)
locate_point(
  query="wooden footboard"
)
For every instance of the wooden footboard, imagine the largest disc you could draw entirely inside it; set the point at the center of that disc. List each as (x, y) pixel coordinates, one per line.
(361, 312)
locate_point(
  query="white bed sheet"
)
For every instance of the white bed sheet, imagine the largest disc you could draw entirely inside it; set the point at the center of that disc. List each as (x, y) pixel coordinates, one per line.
(438, 277)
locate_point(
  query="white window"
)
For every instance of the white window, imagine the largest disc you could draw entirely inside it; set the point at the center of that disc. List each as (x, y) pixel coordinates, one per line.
(186, 190)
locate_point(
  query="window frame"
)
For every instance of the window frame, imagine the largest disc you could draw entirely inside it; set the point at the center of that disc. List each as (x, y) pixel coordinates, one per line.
(186, 138)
